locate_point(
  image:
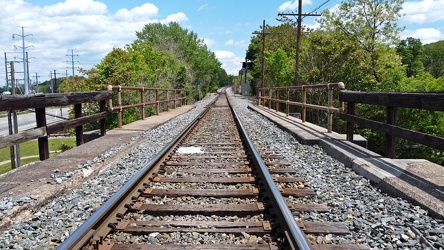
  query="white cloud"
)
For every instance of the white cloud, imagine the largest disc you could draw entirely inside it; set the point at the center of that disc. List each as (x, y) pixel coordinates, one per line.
(83, 25)
(138, 13)
(427, 35)
(75, 7)
(178, 17)
(203, 7)
(289, 6)
(426, 11)
(223, 54)
(209, 42)
(230, 62)
(231, 42)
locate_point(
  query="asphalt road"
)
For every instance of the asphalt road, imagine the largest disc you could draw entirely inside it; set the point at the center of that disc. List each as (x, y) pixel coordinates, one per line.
(27, 120)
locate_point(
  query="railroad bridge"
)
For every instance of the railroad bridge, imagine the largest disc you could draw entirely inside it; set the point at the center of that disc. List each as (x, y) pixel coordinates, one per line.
(415, 180)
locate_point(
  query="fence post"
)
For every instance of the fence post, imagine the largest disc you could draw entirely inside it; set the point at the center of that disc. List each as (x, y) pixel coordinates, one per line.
(350, 126)
(270, 94)
(142, 100)
(12, 148)
(330, 105)
(276, 103)
(287, 104)
(260, 97)
(79, 129)
(175, 99)
(390, 141)
(102, 105)
(304, 101)
(42, 141)
(119, 104)
(157, 102)
(168, 100)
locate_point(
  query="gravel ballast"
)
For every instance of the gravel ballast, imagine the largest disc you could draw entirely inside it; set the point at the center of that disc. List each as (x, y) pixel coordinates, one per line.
(375, 219)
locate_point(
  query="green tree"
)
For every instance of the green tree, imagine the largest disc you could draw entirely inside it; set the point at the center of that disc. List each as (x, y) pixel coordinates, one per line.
(433, 59)
(411, 52)
(199, 63)
(280, 42)
(279, 68)
(370, 28)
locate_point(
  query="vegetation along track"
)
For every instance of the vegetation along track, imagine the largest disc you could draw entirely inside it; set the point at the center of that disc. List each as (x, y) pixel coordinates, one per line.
(209, 189)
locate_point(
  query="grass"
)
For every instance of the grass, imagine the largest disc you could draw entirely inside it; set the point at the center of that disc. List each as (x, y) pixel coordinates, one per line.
(30, 148)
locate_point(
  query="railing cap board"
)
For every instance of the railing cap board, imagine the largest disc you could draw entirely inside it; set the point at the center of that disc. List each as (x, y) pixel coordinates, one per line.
(117, 87)
(339, 85)
(417, 100)
(17, 102)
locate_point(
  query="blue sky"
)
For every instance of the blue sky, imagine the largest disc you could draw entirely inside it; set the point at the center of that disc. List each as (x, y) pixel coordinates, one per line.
(91, 28)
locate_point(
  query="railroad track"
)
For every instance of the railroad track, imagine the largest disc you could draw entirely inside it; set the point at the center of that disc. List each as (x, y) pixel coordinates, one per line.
(208, 189)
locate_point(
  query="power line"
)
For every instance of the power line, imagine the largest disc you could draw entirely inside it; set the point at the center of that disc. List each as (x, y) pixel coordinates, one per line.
(72, 61)
(263, 33)
(298, 37)
(25, 59)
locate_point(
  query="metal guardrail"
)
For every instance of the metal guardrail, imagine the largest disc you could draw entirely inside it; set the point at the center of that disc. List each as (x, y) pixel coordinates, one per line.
(272, 95)
(159, 99)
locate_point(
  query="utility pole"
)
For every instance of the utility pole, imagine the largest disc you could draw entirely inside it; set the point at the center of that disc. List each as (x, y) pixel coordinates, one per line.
(72, 61)
(6, 71)
(263, 55)
(37, 82)
(13, 127)
(52, 82)
(25, 60)
(55, 80)
(298, 37)
(27, 71)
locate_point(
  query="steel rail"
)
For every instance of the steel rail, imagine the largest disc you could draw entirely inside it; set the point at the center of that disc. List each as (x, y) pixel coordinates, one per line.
(296, 237)
(84, 233)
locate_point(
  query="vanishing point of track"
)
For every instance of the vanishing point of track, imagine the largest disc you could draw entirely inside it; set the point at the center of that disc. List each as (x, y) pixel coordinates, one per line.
(209, 180)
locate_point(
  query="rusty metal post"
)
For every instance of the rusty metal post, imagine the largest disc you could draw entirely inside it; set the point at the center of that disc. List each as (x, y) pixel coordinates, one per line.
(288, 104)
(157, 102)
(119, 104)
(390, 140)
(330, 105)
(175, 99)
(276, 101)
(259, 97)
(341, 103)
(270, 94)
(142, 99)
(102, 105)
(168, 100)
(40, 118)
(304, 101)
(79, 129)
(350, 126)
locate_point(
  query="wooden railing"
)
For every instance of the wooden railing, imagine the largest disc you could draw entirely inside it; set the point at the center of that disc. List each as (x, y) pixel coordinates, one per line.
(41, 101)
(271, 95)
(161, 95)
(392, 101)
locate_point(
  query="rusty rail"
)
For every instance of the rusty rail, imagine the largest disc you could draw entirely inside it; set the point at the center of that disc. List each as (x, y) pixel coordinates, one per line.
(179, 97)
(266, 94)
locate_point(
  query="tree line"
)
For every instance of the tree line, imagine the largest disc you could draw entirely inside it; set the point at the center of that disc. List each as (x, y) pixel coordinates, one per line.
(358, 44)
(162, 56)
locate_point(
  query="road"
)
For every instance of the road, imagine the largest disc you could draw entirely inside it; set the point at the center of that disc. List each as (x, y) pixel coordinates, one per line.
(27, 120)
